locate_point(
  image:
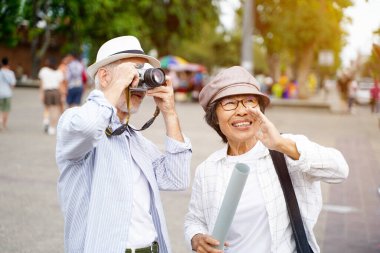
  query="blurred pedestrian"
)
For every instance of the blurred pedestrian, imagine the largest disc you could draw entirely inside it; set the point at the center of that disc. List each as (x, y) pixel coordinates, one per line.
(375, 97)
(20, 76)
(75, 84)
(235, 108)
(283, 81)
(312, 83)
(344, 82)
(197, 85)
(7, 83)
(63, 85)
(268, 82)
(50, 81)
(352, 88)
(292, 89)
(110, 175)
(277, 90)
(183, 86)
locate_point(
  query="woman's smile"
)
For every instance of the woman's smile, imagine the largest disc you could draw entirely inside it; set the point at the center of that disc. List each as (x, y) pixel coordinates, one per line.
(241, 124)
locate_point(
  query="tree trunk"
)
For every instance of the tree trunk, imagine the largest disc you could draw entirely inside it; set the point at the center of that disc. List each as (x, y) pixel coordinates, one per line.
(304, 63)
(274, 66)
(35, 60)
(39, 53)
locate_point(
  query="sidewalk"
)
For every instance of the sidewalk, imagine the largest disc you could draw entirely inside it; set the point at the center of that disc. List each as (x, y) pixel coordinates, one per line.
(31, 220)
(321, 100)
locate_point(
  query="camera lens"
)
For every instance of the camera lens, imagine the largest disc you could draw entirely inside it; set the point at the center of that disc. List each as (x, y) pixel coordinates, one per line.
(154, 77)
(158, 76)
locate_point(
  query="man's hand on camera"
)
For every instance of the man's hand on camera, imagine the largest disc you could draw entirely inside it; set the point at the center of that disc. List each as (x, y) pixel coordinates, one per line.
(164, 97)
(125, 74)
(114, 81)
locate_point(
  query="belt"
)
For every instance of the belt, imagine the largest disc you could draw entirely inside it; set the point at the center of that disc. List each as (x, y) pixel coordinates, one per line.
(150, 249)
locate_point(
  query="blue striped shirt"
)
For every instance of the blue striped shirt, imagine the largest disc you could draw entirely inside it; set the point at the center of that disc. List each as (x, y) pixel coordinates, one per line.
(95, 185)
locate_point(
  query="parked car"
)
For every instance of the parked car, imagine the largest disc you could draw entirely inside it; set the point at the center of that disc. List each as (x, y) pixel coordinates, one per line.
(363, 94)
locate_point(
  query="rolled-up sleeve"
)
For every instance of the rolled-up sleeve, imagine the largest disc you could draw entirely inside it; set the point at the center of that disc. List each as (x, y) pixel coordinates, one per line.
(319, 162)
(173, 168)
(174, 146)
(80, 128)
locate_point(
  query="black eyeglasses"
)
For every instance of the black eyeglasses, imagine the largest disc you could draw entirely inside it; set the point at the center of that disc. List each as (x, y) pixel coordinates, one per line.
(229, 104)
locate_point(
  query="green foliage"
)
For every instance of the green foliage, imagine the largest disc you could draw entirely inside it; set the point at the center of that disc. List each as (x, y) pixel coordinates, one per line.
(287, 28)
(8, 20)
(295, 24)
(218, 50)
(295, 29)
(371, 67)
(160, 24)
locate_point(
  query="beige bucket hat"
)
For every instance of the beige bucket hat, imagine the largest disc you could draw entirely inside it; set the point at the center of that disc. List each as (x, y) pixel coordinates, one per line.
(232, 81)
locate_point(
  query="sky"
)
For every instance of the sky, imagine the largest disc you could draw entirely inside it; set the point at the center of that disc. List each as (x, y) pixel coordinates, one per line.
(365, 19)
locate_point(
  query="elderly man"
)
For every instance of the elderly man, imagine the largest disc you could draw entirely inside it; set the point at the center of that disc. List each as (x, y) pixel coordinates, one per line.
(110, 175)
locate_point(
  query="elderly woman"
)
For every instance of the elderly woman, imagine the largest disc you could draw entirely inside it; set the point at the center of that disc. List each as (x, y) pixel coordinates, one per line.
(234, 108)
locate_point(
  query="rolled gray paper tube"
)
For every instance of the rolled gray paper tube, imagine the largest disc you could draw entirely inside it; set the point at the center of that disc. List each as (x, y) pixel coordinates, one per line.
(230, 201)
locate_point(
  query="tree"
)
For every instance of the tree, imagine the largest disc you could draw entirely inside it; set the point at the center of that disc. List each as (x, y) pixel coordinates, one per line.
(298, 29)
(371, 67)
(211, 48)
(9, 11)
(217, 47)
(43, 20)
(159, 24)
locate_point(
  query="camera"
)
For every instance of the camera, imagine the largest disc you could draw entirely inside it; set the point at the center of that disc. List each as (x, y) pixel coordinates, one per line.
(150, 78)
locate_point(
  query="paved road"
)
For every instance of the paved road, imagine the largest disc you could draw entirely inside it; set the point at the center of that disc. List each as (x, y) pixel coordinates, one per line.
(30, 219)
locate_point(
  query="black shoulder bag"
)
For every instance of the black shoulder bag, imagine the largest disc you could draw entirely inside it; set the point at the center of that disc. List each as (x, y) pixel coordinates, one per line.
(291, 202)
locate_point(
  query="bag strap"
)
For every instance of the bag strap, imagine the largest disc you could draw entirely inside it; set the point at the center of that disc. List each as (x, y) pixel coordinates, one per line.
(300, 238)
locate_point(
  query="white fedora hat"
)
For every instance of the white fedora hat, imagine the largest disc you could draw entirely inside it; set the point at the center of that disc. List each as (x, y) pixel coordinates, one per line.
(119, 48)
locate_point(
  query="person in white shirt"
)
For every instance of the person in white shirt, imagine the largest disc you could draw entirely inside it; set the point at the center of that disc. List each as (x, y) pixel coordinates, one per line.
(235, 108)
(7, 83)
(50, 81)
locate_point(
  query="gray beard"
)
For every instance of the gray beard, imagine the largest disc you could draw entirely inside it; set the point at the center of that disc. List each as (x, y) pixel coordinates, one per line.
(124, 108)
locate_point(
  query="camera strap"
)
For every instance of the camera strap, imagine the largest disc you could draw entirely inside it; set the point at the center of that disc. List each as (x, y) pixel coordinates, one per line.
(118, 131)
(149, 122)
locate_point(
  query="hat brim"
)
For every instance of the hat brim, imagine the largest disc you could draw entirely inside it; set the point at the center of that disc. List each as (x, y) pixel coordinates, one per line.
(92, 69)
(241, 89)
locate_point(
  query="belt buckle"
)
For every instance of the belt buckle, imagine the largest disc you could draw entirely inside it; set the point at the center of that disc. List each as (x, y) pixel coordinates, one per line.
(153, 248)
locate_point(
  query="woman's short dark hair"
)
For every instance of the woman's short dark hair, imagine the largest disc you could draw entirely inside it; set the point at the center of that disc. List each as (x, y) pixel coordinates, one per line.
(212, 119)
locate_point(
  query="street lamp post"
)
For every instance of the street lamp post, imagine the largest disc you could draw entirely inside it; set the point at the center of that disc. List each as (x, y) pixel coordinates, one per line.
(246, 49)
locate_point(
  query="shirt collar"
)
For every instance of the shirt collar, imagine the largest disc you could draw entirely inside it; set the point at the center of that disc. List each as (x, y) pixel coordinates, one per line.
(257, 152)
